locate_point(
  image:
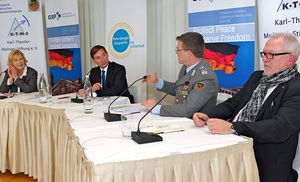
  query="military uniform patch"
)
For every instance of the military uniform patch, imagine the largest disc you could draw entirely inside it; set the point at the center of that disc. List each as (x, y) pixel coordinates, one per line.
(194, 72)
(182, 95)
(200, 86)
(203, 70)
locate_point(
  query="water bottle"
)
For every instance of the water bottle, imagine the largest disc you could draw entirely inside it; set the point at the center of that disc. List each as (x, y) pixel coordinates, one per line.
(87, 96)
(43, 89)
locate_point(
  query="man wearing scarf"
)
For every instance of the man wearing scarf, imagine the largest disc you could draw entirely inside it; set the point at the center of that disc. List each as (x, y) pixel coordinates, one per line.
(266, 109)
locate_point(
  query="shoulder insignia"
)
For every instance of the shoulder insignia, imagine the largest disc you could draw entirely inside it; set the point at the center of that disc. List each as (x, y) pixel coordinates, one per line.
(194, 72)
(200, 86)
(203, 70)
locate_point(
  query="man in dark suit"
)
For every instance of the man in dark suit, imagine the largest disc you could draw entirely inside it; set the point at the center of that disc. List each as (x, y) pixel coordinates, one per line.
(266, 109)
(108, 78)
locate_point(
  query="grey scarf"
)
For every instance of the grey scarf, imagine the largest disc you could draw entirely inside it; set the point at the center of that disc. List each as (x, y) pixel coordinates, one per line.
(251, 109)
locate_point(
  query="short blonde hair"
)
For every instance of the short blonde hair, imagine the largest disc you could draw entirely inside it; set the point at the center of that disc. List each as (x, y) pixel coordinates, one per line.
(13, 54)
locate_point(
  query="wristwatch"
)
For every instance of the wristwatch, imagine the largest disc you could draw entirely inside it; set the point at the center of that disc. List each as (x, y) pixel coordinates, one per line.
(233, 130)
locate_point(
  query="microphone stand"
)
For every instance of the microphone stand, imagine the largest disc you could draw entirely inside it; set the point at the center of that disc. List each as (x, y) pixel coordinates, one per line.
(76, 99)
(117, 117)
(144, 137)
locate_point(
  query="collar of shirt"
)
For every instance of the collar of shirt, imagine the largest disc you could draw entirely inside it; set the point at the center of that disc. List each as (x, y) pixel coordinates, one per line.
(105, 69)
(191, 67)
(24, 72)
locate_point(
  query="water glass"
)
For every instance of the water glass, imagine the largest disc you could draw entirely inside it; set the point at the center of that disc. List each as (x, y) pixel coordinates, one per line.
(126, 125)
(49, 88)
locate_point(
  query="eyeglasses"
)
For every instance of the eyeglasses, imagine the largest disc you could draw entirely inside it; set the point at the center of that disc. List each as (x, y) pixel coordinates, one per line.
(177, 50)
(272, 55)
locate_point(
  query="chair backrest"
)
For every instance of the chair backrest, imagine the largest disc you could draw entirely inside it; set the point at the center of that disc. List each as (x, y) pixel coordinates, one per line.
(135, 91)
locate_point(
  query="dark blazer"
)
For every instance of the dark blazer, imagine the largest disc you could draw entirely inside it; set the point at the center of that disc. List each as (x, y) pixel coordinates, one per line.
(275, 130)
(116, 81)
(26, 84)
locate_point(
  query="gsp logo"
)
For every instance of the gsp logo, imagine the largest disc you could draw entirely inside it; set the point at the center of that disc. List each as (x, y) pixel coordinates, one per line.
(53, 16)
(288, 5)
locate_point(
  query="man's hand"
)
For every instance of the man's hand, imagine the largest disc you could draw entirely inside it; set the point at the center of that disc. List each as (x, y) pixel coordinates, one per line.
(219, 126)
(151, 78)
(96, 86)
(200, 119)
(149, 103)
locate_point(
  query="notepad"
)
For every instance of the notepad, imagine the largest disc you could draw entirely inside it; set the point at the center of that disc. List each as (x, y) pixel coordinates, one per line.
(162, 129)
(127, 109)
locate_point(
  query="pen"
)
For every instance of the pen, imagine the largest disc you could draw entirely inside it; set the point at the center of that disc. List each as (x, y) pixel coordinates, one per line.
(135, 112)
(65, 97)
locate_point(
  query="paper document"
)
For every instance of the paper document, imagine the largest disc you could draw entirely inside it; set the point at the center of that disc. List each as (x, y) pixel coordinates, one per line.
(128, 109)
(162, 129)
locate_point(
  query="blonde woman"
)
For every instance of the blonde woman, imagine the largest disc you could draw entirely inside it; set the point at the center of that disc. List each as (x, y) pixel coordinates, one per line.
(18, 76)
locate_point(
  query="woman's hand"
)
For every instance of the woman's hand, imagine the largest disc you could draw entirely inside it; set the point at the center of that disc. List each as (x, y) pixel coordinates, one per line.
(12, 72)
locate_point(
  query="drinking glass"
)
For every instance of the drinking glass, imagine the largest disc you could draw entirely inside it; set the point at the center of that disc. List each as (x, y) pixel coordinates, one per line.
(49, 89)
(126, 125)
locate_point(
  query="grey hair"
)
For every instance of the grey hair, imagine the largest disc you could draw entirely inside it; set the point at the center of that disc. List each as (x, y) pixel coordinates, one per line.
(292, 43)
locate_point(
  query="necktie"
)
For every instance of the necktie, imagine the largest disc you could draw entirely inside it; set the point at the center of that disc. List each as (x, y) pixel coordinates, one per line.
(103, 79)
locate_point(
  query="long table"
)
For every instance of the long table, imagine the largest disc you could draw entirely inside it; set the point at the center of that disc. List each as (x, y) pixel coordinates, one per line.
(51, 143)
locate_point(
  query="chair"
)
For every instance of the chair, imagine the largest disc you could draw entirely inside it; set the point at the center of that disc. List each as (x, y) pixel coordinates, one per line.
(135, 91)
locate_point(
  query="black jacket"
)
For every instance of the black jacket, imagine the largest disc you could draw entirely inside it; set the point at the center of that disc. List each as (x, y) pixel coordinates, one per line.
(275, 130)
(116, 81)
(26, 84)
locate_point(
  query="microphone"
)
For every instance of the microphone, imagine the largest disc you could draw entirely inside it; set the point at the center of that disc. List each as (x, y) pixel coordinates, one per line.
(143, 137)
(76, 99)
(117, 117)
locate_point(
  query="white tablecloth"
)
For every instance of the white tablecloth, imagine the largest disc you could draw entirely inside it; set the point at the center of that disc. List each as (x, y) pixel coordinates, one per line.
(61, 143)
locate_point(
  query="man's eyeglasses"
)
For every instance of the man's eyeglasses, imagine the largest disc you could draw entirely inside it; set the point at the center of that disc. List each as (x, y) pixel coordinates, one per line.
(272, 55)
(177, 50)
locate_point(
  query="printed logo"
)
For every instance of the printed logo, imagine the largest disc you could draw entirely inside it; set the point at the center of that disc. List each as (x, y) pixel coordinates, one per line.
(288, 5)
(58, 15)
(121, 41)
(33, 5)
(18, 26)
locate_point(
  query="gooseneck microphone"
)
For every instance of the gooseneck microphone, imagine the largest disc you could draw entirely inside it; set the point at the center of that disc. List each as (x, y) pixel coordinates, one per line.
(144, 137)
(117, 117)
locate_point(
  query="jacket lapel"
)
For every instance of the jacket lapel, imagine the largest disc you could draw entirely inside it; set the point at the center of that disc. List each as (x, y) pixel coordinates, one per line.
(183, 77)
(109, 74)
(269, 101)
